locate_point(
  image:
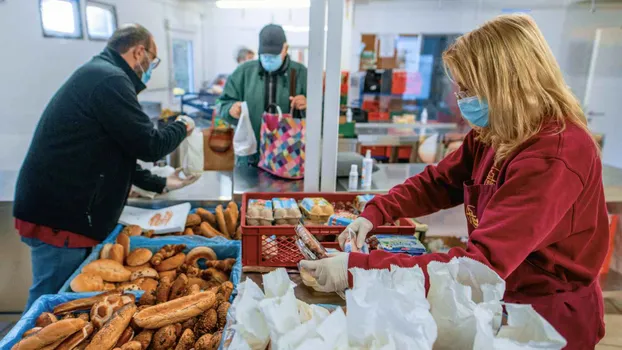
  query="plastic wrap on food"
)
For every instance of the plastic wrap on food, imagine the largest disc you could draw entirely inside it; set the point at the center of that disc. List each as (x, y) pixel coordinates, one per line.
(286, 211)
(317, 209)
(344, 206)
(259, 212)
(310, 242)
(361, 201)
(341, 218)
(397, 244)
(350, 246)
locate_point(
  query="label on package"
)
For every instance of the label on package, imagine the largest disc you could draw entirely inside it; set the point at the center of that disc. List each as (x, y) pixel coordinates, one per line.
(400, 244)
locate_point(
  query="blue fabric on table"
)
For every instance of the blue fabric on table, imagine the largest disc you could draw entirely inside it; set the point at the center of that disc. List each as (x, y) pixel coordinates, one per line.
(223, 249)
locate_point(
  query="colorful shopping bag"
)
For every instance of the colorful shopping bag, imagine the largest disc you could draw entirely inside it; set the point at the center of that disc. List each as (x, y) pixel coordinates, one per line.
(282, 145)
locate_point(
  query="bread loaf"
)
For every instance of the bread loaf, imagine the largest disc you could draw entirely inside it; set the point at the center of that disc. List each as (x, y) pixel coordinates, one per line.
(132, 230)
(136, 268)
(78, 337)
(147, 272)
(110, 333)
(170, 274)
(103, 310)
(109, 270)
(133, 345)
(174, 311)
(117, 253)
(87, 282)
(82, 304)
(105, 252)
(46, 318)
(124, 240)
(171, 263)
(126, 337)
(139, 256)
(50, 334)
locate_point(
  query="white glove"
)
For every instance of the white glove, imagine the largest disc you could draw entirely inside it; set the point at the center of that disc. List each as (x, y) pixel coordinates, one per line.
(331, 274)
(361, 227)
(188, 121)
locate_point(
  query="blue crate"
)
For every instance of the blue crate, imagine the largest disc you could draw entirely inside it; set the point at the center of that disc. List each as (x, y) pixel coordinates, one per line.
(223, 249)
(44, 303)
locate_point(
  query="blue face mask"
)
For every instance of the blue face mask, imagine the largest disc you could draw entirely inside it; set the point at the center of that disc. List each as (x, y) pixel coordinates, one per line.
(474, 110)
(146, 75)
(270, 62)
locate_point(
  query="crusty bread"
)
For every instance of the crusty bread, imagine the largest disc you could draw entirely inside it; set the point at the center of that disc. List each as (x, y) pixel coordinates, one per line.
(124, 240)
(174, 311)
(50, 334)
(170, 274)
(133, 230)
(198, 253)
(136, 268)
(87, 282)
(82, 304)
(117, 253)
(110, 333)
(105, 252)
(147, 272)
(109, 270)
(148, 285)
(77, 338)
(139, 256)
(171, 263)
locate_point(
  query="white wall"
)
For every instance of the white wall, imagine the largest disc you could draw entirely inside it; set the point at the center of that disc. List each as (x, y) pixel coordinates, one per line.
(32, 67)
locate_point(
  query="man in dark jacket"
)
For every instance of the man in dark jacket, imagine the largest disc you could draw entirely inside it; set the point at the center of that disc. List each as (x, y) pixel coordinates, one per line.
(82, 160)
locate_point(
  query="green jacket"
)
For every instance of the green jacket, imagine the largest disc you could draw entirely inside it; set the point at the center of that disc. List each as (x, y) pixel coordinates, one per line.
(249, 83)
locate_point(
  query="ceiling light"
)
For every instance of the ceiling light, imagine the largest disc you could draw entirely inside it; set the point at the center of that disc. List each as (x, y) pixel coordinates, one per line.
(246, 4)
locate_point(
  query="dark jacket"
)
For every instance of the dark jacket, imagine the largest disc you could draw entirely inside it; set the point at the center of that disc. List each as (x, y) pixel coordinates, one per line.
(82, 160)
(253, 84)
(147, 181)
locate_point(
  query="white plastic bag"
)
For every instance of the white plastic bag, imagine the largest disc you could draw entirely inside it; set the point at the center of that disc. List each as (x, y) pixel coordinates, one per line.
(455, 290)
(192, 153)
(244, 141)
(525, 329)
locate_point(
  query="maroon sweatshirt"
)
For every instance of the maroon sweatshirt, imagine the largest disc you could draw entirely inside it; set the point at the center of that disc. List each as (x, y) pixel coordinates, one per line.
(538, 219)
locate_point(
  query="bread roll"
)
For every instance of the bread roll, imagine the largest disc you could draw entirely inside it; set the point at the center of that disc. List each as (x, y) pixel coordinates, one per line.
(126, 336)
(148, 285)
(139, 256)
(117, 253)
(128, 287)
(206, 216)
(200, 253)
(103, 310)
(171, 263)
(144, 338)
(170, 274)
(174, 311)
(186, 341)
(82, 304)
(87, 282)
(164, 338)
(147, 272)
(105, 252)
(109, 270)
(110, 333)
(136, 268)
(46, 318)
(133, 345)
(132, 230)
(78, 337)
(124, 240)
(50, 334)
(193, 220)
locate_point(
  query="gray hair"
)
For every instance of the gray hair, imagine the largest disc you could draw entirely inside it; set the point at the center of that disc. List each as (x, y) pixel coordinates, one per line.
(243, 53)
(128, 36)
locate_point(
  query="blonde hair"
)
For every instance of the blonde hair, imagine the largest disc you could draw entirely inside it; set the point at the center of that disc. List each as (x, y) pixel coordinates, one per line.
(508, 63)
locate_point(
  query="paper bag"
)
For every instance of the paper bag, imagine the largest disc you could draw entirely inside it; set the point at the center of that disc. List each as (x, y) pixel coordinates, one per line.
(250, 325)
(218, 149)
(455, 290)
(525, 329)
(192, 154)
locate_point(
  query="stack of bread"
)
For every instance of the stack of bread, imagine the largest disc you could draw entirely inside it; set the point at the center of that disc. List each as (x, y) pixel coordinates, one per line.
(223, 222)
(165, 275)
(112, 320)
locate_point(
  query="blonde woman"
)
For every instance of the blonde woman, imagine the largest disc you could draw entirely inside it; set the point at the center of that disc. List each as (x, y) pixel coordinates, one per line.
(528, 174)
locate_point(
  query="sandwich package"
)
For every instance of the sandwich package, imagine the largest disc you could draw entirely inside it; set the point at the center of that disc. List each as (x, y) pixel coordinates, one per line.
(309, 246)
(286, 211)
(341, 218)
(259, 212)
(396, 244)
(316, 210)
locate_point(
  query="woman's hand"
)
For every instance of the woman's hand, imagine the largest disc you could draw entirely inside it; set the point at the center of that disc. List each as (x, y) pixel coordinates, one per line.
(175, 182)
(331, 274)
(299, 102)
(361, 227)
(236, 110)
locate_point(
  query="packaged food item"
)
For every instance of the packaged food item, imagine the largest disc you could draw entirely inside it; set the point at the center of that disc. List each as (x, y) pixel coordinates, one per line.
(317, 209)
(344, 206)
(341, 218)
(286, 211)
(361, 201)
(259, 212)
(350, 246)
(310, 242)
(397, 244)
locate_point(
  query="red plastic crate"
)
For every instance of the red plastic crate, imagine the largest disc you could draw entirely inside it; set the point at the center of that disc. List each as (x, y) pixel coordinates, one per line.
(378, 116)
(275, 245)
(376, 151)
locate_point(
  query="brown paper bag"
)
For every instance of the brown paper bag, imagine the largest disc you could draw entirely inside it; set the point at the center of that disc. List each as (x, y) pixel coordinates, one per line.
(218, 149)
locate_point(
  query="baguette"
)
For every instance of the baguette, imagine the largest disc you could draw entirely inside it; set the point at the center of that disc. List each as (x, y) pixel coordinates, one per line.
(174, 311)
(81, 304)
(77, 338)
(51, 334)
(110, 333)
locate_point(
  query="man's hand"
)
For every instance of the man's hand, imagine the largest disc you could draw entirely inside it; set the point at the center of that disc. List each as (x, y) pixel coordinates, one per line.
(189, 122)
(361, 228)
(175, 182)
(299, 102)
(331, 274)
(236, 110)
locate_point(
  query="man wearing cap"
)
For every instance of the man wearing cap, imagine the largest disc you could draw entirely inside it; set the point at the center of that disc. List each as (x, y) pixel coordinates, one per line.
(265, 83)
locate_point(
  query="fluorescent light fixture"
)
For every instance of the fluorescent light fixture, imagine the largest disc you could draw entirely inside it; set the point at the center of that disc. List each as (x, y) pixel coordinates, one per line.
(247, 4)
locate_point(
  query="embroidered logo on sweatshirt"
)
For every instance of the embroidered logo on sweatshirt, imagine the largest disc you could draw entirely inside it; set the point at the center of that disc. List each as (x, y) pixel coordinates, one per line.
(491, 179)
(470, 215)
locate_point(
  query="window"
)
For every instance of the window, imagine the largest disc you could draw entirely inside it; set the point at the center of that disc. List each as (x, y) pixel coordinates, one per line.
(61, 18)
(101, 20)
(183, 64)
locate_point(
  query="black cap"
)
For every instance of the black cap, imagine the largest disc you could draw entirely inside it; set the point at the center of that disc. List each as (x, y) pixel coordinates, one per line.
(271, 39)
